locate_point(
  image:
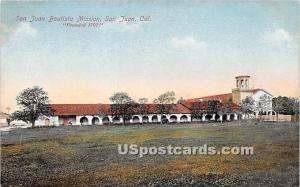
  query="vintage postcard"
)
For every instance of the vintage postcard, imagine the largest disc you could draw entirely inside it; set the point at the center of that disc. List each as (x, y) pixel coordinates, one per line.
(149, 92)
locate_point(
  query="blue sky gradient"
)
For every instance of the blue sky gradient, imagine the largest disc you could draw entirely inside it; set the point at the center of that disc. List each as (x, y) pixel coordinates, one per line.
(192, 47)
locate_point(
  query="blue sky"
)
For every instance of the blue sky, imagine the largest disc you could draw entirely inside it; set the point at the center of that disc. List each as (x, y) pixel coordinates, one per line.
(192, 47)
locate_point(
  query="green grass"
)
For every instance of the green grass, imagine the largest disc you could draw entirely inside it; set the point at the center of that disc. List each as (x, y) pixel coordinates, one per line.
(78, 149)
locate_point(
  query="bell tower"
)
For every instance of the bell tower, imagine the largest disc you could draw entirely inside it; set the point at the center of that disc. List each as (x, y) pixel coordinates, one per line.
(242, 89)
(242, 82)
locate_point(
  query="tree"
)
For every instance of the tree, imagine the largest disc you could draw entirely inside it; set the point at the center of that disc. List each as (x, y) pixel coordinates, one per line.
(197, 109)
(247, 105)
(33, 103)
(285, 105)
(142, 100)
(278, 104)
(227, 106)
(103, 111)
(165, 102)
(264, 104)
(120, 98)
(296, 106)
(213, 106)
(180, 100)
(122, 106)
(166, 98)
(8, 120)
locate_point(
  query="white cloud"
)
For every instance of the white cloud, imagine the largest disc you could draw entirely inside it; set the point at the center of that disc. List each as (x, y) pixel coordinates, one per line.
(19, 36)
(24, 30)
(278, 37)
(19, 33)
(187, 43)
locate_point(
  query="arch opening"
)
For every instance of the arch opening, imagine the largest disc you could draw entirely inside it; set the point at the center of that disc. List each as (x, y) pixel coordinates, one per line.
(232, 117)
(239, 116)
(208, 117)
(183, 118)
(84, 121)
(116, 119)
(135, 119)
(173, 119)
(145, 119)
(95, 121)
(105, 120)
(197, 118)
(217, 117)
(154, 119)
(224, 116)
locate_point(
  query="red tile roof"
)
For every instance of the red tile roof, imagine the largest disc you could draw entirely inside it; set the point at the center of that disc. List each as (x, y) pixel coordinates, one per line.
(79, 109)
(178, 108)
(220, 97)
(96, 109)
(242, 76)
(184, 107)
(234, 107)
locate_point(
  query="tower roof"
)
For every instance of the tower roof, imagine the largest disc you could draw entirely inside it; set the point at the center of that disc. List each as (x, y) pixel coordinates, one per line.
(242, 76)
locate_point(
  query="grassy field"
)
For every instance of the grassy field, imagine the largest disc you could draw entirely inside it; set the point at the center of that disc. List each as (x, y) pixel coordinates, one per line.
(87, 155)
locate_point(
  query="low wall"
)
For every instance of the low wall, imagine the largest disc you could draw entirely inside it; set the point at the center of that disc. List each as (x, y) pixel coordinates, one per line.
(3, 124)
(279, 117)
